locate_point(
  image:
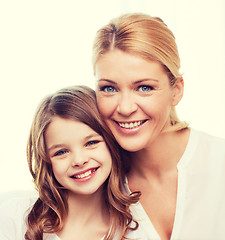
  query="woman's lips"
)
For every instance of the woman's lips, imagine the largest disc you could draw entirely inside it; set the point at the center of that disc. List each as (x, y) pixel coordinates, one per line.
(129, 128)
(131, 125)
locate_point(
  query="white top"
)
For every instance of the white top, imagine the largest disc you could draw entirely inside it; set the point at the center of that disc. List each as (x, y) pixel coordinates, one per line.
(200, 210)
(13, 217)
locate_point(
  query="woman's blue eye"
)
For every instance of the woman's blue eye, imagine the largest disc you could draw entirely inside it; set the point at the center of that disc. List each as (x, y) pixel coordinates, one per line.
(145, 88)
(61, 152)
(108, 89)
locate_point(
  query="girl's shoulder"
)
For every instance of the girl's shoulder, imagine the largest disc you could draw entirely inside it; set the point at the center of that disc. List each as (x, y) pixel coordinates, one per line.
(13, 212)
(18, 201)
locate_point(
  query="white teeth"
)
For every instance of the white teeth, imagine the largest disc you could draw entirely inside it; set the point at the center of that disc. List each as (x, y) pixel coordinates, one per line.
(83, 175)
(130, 125)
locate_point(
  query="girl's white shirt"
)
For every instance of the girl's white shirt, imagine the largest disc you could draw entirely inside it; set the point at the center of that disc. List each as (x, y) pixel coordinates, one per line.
(13, 215)
(13, 218)
(200, 208)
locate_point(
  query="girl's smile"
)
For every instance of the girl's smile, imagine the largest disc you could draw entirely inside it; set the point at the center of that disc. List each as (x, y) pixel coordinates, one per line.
(81, 161)
(84, 175)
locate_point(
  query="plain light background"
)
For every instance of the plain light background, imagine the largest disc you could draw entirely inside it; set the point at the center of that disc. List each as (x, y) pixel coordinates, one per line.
(46, 45)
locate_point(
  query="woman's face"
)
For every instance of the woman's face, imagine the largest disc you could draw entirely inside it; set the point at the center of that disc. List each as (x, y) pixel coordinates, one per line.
(135, 98)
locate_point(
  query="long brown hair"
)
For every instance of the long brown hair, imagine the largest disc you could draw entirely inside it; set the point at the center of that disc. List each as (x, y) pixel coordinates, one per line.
(50, 209)
(146, 37)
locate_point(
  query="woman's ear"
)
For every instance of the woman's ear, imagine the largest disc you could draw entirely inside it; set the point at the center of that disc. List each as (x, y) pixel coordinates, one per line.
(178, 91)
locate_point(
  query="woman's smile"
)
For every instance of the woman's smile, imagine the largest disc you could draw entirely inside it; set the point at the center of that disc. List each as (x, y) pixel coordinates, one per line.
(134, 97)
(131, 125)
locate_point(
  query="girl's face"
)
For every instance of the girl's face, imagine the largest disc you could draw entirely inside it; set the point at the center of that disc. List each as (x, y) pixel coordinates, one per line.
(135, 98)
(80, 159)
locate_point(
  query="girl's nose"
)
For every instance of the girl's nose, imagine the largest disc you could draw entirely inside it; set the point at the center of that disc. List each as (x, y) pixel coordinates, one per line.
(79, 159)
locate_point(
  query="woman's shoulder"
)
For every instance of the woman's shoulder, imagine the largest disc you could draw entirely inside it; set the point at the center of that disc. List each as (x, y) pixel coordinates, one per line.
(208, 139)
(206, 148)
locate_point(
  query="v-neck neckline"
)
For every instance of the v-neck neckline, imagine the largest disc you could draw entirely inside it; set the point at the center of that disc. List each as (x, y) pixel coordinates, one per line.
(138, 210)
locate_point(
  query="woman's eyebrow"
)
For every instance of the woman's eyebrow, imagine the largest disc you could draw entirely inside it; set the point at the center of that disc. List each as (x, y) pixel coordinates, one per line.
(106, 80)
(145, 80)
(135, 82)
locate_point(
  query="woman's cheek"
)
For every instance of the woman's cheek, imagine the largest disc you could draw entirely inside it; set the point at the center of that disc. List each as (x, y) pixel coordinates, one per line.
(106, 106)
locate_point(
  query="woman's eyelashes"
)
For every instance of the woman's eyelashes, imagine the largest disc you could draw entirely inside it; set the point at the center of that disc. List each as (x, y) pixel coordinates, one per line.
(141, 88)
(145, 88)
(107, 89)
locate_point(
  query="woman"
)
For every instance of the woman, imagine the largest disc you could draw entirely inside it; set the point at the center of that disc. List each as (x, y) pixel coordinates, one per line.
(76, 168)
(180, 171)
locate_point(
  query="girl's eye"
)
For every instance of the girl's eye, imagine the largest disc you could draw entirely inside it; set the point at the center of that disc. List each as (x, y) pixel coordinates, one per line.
(145, 88)
(108, 89)
(61, 152)
(91, 143)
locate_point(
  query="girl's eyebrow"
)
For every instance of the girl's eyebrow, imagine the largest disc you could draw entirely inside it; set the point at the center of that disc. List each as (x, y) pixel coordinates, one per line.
(91, 136)
(56, 146)
(64, 145)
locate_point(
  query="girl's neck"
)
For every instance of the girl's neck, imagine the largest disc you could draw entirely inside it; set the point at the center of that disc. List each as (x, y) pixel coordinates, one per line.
(86, 207)
(87, 218)
(161, 156)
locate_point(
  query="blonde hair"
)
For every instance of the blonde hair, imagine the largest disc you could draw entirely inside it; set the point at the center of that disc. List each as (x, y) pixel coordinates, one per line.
(144, 36)
(49, 211)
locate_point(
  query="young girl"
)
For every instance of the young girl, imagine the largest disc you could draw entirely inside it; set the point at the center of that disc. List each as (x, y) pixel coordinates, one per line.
(75, 165)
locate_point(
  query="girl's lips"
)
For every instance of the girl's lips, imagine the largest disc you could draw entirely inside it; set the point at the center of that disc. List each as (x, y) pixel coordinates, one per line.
(84, 175)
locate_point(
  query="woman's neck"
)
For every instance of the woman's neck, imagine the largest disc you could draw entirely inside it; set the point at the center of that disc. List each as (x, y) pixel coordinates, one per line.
(161, 156)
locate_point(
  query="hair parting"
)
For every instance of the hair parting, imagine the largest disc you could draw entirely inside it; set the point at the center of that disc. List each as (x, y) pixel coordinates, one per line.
(146, 37)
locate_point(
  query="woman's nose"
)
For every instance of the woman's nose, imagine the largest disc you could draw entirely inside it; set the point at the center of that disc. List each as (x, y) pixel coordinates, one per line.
(126, 105)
